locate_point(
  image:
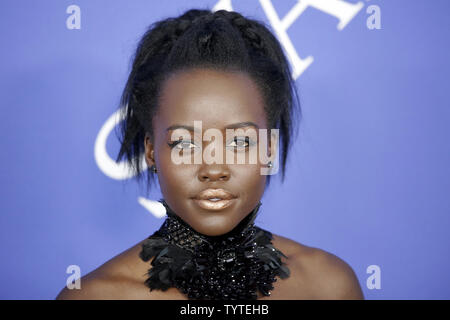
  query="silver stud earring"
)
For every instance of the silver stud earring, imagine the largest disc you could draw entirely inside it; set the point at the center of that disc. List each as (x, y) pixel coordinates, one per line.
(154, 169)
(269, 164)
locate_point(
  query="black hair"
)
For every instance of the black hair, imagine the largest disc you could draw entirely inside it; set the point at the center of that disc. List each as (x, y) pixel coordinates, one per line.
(221, 40)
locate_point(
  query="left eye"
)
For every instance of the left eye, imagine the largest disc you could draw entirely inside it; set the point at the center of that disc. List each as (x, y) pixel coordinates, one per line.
(244, 142)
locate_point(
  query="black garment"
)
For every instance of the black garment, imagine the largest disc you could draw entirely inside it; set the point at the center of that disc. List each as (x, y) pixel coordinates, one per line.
(227, 267)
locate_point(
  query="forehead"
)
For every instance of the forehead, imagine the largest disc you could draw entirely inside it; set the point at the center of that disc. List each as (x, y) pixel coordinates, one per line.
(216, 98)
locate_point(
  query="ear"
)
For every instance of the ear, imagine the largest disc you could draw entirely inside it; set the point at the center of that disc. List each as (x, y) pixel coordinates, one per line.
(272, 137)
(149, 150)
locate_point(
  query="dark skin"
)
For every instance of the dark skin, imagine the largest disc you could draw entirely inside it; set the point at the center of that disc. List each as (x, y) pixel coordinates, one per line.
(189, 96)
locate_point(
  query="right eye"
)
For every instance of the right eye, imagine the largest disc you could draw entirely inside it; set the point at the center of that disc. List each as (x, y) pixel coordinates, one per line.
(181, 144)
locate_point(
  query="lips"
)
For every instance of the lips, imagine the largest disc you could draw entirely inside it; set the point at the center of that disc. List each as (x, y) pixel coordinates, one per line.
(209, 194)
(214, 199)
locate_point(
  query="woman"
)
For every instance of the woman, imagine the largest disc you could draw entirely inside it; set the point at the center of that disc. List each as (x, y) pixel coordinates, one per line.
(224, 71)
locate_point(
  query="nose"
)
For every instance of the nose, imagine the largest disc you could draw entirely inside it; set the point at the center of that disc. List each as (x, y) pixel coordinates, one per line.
(214, 172)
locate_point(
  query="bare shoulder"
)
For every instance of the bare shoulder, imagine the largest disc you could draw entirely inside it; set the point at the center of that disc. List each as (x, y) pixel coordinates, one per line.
(118, 278)
(318, 274)
(93, 287)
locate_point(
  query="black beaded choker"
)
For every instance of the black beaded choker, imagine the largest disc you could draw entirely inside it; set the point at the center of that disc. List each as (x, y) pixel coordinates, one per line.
(227, 267)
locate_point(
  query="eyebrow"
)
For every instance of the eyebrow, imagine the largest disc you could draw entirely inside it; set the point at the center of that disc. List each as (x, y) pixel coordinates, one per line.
(230, 126)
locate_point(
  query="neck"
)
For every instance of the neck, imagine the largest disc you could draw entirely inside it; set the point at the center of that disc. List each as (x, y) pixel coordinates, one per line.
(245, 224)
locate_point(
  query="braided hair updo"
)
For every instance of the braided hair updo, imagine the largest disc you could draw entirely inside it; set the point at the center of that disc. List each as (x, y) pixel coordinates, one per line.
(221, 40)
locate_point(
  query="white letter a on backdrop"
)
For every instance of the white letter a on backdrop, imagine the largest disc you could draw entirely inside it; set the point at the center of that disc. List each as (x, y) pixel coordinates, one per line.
(74, 20)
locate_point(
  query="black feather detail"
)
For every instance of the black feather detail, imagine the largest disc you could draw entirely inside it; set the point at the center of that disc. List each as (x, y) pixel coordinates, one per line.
(228, 267)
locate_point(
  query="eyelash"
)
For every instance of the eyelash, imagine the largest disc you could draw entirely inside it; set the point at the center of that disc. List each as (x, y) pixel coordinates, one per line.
(247, 140)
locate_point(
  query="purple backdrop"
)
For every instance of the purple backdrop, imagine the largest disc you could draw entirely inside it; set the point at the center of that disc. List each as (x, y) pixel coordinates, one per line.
(368, 178)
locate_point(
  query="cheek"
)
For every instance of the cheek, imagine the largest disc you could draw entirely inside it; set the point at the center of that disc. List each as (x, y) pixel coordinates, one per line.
(248, 172)
(173, 178)
(249, 177)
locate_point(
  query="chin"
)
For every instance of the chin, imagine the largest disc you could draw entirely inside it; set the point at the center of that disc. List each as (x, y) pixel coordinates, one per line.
(214, 225)
(213, 222)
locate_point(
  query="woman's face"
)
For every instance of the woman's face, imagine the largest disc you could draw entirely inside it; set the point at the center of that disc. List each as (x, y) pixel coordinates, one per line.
(218, 100)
